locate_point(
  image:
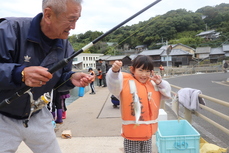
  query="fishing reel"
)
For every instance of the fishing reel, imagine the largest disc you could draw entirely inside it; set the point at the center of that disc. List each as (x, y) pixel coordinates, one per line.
(36, 104)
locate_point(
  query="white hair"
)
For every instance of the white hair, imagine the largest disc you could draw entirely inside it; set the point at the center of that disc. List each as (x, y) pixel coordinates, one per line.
(58, 6)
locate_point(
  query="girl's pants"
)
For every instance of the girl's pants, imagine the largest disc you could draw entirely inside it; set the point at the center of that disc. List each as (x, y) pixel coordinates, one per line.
(92, 87)
(138, 146)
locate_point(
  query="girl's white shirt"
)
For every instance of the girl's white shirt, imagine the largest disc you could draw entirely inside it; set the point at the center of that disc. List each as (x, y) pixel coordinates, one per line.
(115, 80)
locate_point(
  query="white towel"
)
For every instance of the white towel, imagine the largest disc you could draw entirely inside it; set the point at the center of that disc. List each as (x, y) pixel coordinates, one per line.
(189, 98)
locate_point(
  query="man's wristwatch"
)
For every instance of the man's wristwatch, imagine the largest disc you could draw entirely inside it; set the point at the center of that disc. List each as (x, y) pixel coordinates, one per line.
(22, 76)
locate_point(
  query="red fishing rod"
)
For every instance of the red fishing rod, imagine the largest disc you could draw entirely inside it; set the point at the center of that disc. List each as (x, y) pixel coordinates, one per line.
(65, 61)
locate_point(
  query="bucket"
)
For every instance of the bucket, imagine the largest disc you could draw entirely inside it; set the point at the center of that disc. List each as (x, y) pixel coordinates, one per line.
(177, 137)
(81, 91)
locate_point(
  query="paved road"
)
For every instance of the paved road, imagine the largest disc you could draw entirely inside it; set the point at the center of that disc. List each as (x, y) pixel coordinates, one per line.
(95, 124)
(213, 85)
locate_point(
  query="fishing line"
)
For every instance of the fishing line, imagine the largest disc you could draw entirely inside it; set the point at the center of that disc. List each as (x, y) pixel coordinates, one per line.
(65, 61)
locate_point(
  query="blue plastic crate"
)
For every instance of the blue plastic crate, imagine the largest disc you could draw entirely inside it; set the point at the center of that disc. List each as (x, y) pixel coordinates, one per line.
(175, 136)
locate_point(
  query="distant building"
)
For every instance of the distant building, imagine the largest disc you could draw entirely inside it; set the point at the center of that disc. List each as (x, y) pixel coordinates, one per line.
(109, 60)
(226, 50)
(103, 58)
(180, 55)
(216, 54)
(202, 52)
(209, 35)
(85, 61)
(155, 55)
(141, 48)
(184, 48)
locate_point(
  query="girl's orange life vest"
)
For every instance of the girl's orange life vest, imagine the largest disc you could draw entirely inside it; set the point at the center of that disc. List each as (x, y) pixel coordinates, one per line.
(149, 97)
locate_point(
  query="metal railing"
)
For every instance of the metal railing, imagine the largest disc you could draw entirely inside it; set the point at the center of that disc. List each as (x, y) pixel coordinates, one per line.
(188, 113)
(171, 71)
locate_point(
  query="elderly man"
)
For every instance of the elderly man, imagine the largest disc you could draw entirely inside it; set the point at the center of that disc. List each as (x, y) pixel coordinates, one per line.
(29, 47)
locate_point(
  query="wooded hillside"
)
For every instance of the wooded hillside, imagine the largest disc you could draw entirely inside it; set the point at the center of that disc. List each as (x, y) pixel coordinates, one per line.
(176, 26)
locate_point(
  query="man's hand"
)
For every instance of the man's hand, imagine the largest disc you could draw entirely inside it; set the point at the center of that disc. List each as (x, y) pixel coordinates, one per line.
(81, 79)
(36, 76)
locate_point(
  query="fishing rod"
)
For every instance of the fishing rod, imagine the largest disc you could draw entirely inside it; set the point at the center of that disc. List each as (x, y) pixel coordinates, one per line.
(65, 61)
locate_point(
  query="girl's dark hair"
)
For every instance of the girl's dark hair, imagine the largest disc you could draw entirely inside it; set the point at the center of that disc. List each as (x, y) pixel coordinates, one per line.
(143, 60)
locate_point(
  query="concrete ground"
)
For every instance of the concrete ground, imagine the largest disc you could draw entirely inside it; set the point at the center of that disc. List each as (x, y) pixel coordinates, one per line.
(95, 126)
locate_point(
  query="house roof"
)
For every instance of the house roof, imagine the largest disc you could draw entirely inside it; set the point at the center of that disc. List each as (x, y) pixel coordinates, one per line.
(111, 43)
(174, 45)
(111, 58)
(182, 45)
(133, 56)
(90, 54)
(104, 57)
(225, 48)
(201, 50)
(76, 62)
(176, 52)
(215, 51)
(165, 47)
(152, 52)
(140, 46)
(206, 33)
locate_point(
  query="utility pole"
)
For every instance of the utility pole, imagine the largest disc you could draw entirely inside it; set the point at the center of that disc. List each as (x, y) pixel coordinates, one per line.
(168, 51)
(167, 55)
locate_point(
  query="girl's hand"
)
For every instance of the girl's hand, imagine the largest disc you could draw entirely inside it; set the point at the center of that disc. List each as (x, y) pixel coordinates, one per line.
(156, 78)
(116, 66)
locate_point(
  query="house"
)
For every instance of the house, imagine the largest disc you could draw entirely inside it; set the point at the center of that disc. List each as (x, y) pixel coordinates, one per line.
(155, 55)
(180, 55)
(86, 60)
(109, 60)
(226, 50)
(130, 52)
(133, 56)
(202, 52)
(209, 35)
(126, 60)
(177, 57)
(180, 46)
(184, 48)
(103, 58)
(216, 54)
(140, 48)
(112, 43)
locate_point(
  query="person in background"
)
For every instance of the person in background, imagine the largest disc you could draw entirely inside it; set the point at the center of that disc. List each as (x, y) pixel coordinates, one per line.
(161, 70)
(139, 93)
(58, 106)
(57, 110)
(99, 76)
(225, 66)
(29, 47)
(103, 69)
(90, 70)
(63, 97)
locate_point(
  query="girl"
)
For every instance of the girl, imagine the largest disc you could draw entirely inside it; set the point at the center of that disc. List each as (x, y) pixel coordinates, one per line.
(139, 93)
(92, 83)
(100, 76)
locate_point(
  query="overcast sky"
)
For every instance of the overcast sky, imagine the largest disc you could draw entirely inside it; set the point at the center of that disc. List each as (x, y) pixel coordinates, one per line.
(102, 15)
